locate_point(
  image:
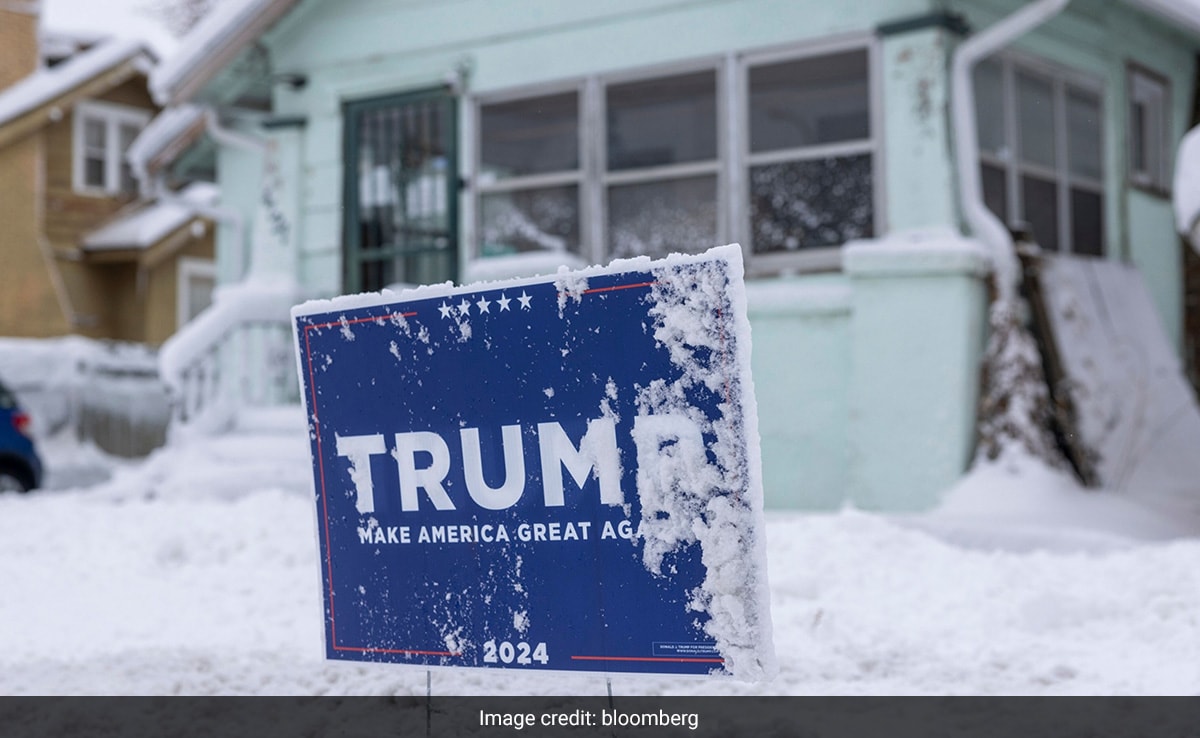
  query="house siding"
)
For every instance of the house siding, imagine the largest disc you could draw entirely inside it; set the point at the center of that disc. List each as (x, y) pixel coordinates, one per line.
(869, 397)
(28, 303)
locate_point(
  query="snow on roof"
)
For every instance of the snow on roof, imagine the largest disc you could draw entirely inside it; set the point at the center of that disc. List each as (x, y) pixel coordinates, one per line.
(46, 85)
(166, 128)
(212, 43)
(59, 44)
(148, 225)
(1187, 184)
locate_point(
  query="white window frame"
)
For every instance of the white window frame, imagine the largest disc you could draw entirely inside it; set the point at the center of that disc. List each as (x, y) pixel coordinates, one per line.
(113, 116)
(1152, 89)
(731, 167)
(1059, 77)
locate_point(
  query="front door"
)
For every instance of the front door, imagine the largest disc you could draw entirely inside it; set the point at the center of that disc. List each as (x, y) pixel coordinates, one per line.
(401, 191)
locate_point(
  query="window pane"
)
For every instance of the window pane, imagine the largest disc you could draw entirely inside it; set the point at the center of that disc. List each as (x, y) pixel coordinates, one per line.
(93, 171)
(1083, 134)
(1139, 154)
(530, 220)
(1035, 116)
(989, 107)
(400, 209)
(662, 121)
(656, 218)
(995, 191)
(94, 134)
(1087, 222)
(1040, 200)
(809, 204)
(809, 101)
(376, 271)
(530, 136)
(199, 294)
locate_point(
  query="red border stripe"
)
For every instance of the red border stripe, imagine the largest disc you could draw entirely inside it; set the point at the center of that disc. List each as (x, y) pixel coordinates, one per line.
(677, 659)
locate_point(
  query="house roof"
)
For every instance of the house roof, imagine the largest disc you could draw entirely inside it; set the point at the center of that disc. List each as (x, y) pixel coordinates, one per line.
(236, 24)
(148, 224)
(52, 84)
(211, 45)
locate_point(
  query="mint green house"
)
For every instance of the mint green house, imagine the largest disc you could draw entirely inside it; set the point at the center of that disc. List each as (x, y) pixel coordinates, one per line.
(368, 143)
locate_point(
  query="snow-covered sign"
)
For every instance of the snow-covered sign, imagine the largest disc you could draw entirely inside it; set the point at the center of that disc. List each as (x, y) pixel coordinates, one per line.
(555, 473)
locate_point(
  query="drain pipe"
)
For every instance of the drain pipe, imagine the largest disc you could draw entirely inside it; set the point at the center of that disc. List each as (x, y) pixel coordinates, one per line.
(230, 137)
(982, 222)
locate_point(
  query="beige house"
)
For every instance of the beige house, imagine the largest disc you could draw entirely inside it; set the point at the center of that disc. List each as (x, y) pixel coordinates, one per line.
(81, 250)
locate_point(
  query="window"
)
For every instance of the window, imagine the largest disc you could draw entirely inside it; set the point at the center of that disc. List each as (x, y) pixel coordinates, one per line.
(662, 165)
(775, 151)
(529, 175)
(810, 161)
(1041, 151)
(400, 192)
(103, 133)
(196, 280)
(1148, 133)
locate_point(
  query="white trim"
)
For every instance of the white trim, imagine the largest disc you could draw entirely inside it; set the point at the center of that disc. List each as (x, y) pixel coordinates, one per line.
(113, 117)
(189, 267)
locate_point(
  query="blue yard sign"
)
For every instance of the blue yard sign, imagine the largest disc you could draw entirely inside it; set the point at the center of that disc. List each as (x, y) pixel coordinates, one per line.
(557, 473)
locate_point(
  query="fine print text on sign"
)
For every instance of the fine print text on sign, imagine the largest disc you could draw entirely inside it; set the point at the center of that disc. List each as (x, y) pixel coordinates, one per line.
(557, 473)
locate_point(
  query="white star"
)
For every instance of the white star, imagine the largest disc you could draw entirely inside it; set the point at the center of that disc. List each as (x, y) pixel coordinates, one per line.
(503, 302)
(483, 304)
(524, 299)
(464, 307)
(445, 309)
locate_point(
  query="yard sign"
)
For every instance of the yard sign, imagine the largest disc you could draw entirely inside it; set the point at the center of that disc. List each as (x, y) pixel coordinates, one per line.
(556, 473)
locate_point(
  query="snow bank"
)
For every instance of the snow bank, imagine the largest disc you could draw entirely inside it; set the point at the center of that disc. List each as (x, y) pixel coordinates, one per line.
(55, 378)
(197, 573)
(528, 264)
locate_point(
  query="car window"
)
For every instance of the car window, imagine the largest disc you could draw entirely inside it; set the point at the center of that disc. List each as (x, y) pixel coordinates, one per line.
(7, 401)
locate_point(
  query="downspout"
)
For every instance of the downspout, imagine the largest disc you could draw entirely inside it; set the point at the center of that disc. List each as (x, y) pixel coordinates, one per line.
(982, 222)
(228, 137)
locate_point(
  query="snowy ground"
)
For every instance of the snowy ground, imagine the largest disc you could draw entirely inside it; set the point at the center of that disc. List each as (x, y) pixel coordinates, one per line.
(195, 572)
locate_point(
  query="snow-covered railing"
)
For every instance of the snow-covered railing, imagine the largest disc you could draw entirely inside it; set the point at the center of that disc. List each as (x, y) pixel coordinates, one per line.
(236, 354)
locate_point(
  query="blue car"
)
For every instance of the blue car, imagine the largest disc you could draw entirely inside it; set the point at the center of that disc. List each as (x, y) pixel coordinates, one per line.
(20, 466)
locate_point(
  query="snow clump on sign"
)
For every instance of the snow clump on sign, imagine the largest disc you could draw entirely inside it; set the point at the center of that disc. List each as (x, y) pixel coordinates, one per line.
(713, 497)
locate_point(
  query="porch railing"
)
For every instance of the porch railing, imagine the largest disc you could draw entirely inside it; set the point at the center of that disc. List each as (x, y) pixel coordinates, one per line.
(236, 354)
